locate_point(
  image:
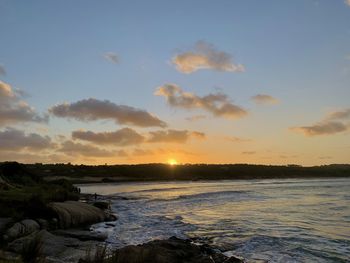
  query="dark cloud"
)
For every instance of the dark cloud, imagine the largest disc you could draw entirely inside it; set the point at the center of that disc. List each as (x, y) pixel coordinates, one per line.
(93, 109)
(264, 99)
(323, 128)
(173, 136)
(205, 56)
(122, 137)
(128, 136)
(72, 148)
(13, 140)
(15, 110)
(334, 122)
(218, 104)
(112, 57)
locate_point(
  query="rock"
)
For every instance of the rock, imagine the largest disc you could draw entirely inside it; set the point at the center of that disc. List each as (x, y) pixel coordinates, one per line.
(44, 224)
(173, 250)
(4, 222)
(82, 235)
(56, 249)
(102, 205)
(74, 213)
(20, 229)
(6, 256)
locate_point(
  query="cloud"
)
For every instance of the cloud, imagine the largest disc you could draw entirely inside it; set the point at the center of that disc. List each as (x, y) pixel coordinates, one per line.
(142, 152)
(347, 2)
(205, 56)
(236, 139)
(264, 99)
(14, 140)
(339, 115)
(173, 136)
(93, 109)
(218, 104)
(122, 137)
(196, 118)
(13, 109)
(2, 70)
(249, 152)
(72, 148)
(322, 128)
(128, 136)
(112, 57)
(334, 122)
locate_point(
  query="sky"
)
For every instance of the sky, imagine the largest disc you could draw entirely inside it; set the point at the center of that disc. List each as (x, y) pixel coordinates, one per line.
(125, 82)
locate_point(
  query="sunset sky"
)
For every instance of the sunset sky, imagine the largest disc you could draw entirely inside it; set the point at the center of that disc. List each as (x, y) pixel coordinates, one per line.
(236, 81)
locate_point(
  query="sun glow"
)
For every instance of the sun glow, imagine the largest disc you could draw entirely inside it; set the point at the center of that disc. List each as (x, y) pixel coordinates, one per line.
(172, 162)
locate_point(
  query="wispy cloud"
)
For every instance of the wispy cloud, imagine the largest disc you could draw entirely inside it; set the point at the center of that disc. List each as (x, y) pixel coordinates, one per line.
(93, 109)
(196, 118)
(112, 57)
(236, 139)
(249, 152)
(2, 70)
(347, 2)
(205, 56)
(264, 99)
(218, 104)
(14, 140)
(13, 109)
(174, 136)
(334, 122)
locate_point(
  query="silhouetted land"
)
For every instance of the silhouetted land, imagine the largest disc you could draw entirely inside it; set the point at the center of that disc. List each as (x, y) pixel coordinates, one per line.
(164, 172)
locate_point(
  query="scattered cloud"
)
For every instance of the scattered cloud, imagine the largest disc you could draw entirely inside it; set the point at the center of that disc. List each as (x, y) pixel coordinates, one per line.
(72, 148)
(196, 118)
(93, 109)
(334, 122)
(13, 109)
(264, 99)
(322, 128)
(122, 137)
(2, 71)
(205, 56)
(218, 104)
(14, 140)
(112, 57)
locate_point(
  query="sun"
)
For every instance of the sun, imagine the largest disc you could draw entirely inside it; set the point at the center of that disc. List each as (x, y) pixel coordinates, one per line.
(172, 162)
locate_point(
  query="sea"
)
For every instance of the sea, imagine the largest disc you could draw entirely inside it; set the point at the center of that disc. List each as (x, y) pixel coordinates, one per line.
(277, 220)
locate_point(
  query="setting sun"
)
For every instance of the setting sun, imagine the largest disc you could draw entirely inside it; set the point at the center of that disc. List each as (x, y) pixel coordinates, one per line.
(172, 162)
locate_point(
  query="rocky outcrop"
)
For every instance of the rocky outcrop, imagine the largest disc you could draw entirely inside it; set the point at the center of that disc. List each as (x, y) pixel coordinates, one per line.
(20, 229)
(73, 213)
(173, 250)
(4, 222)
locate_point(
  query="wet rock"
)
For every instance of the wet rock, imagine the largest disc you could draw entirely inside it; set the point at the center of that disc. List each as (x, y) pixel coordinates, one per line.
(20, 229)
(102, 205)
(173, 250)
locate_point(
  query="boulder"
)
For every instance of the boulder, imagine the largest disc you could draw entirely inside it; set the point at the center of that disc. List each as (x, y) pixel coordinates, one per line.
(173, 250)
(74, 213)
(20, 229)
(83, 235)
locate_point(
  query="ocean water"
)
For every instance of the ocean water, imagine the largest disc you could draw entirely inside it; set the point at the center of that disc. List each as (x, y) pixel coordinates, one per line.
(290, 220)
